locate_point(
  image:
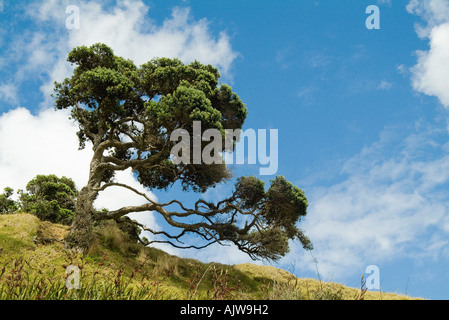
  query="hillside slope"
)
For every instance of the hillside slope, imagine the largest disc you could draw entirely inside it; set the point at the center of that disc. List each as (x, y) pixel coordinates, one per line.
(33, 264)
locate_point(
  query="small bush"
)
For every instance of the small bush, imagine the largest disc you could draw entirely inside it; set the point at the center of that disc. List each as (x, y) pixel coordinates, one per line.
(113, 238)
(7, 205)
(50, 198)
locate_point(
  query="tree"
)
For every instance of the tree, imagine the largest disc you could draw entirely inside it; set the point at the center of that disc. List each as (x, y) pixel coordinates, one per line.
(128, 114)
(50, 198)
(7, 205)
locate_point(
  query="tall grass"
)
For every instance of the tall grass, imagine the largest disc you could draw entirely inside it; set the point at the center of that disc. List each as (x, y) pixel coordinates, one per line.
(117, 269)
(20, 281)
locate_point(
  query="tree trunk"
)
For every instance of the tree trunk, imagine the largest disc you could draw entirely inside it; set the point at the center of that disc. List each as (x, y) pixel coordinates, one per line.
(81, 234)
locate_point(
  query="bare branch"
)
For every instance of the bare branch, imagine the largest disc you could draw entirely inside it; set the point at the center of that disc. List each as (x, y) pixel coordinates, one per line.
(181, 247)
(116, 214)
(116, 184)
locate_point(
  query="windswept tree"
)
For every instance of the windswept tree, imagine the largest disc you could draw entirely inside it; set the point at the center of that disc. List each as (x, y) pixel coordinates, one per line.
(128, 114)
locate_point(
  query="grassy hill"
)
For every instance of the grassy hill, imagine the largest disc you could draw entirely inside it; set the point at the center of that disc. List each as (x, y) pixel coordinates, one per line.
(33, 263)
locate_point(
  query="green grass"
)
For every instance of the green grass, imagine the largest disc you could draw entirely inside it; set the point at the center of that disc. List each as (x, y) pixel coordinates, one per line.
(33, 264)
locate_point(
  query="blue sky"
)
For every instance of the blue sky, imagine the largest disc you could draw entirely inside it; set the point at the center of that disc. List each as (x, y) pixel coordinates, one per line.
(362, 115)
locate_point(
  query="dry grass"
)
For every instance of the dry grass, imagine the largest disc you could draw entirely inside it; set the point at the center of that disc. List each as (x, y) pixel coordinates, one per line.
(33, 264)
(283, 285)
(17, 231)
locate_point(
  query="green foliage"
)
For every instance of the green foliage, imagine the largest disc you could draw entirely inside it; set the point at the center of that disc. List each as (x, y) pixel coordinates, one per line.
(125, 225)
(109, 96)
(132, 231)
(7, 205)
(285, 206)
(278, 210)
(250, 190)
(50, 198)
(121, 236)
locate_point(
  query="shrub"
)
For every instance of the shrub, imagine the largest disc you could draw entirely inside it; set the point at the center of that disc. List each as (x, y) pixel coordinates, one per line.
(50, 198)
(7, 205)
(114, 238)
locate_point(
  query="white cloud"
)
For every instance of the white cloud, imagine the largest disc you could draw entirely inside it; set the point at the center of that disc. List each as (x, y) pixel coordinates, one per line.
(402, 69)
(307, 94)
(8, 93)
(386, 207)
(385, 2)
(385, 85)
(430, 74)
(433, 12)
(129, 30)
(41, 144)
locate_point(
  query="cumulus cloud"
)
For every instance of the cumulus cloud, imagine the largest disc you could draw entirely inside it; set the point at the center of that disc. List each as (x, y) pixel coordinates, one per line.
(39, 144)
(129, 30)
(433, 12)
(430, 74)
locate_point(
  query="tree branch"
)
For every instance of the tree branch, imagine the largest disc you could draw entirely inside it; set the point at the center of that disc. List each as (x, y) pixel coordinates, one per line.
(181, 247)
